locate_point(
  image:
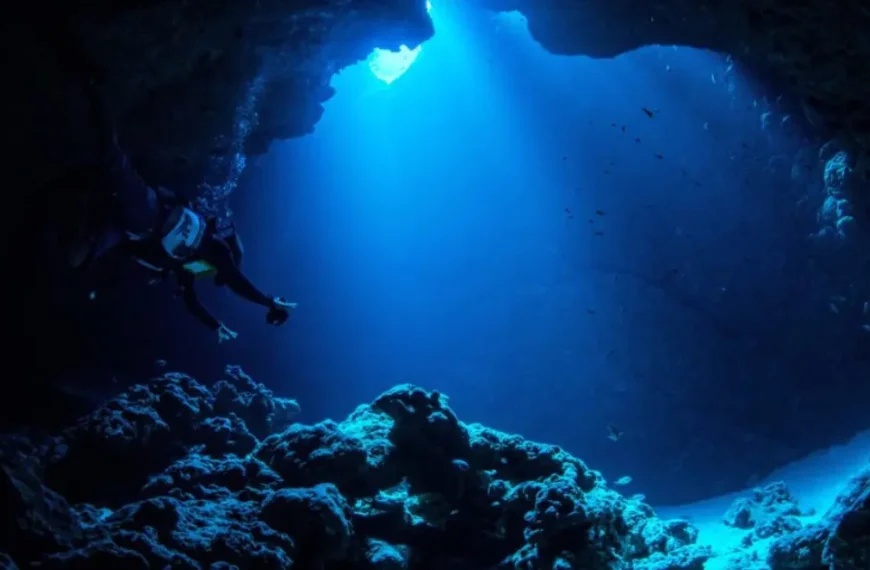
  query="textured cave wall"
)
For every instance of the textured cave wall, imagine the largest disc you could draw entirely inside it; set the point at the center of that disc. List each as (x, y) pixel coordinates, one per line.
(819, 49)
(175, 73)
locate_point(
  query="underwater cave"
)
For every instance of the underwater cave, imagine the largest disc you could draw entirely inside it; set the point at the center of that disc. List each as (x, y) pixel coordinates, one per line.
(438, 285)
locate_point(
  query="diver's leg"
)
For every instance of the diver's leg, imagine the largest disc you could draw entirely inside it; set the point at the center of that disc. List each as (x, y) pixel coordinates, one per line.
(84, 253)
(135, 203)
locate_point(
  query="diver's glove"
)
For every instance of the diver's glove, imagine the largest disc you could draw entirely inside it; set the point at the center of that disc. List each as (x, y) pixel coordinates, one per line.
(279, 312)
(224, 333)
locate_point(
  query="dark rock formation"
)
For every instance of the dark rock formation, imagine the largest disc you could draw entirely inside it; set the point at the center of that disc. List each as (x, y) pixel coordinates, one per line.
(195, 85)
(172, 474)
(146, 481)
(815, 48)
(181, 77)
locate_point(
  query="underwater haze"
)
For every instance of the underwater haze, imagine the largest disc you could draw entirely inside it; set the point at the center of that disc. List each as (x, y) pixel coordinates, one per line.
(511, 228)
(575, 250)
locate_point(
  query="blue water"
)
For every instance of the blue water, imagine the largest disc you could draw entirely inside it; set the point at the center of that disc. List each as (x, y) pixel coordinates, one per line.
(513, 228)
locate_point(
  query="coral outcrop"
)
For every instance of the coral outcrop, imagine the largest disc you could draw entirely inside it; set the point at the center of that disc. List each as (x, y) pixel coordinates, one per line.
(173, 474)
(780, 536)
(839, 540)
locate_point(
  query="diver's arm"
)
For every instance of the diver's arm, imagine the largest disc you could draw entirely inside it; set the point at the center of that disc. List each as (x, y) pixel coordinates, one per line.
(195, 306)
(242, 286)
(228, 273)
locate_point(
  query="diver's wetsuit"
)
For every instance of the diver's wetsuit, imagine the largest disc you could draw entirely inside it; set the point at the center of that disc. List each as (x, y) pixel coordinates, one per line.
(139, 213)
(215, 251)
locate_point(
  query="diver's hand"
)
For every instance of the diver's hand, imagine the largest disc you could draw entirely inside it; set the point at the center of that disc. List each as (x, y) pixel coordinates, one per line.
(224, 333)
(282, 303)
(279, 311)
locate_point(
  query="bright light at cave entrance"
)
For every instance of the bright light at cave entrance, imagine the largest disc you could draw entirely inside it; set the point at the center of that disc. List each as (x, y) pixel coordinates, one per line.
(389, 65)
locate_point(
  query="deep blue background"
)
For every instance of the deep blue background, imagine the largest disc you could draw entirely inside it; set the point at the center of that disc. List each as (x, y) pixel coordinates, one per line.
(444, 231)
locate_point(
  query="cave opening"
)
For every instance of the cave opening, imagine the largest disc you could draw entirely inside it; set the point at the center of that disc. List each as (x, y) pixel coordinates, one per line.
(388, 65)
(614, 229)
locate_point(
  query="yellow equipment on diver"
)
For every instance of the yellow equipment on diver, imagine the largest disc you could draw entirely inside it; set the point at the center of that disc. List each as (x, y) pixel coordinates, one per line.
(200, 268)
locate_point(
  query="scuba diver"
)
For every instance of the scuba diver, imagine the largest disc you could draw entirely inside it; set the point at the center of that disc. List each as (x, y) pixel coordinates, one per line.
(162, 233)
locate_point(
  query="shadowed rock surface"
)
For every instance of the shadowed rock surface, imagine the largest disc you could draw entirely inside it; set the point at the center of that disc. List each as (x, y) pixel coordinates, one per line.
(183, 78)
(817, 48)
(175, 474)
(172, 473)
(178, 75)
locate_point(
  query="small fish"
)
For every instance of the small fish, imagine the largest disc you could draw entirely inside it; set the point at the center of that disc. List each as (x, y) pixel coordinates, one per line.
(706, 126)
(614, 433)
(599, 233)
(600, 212)
(622, 481)
(838, 299)
(637, 139)
(668, 68)
(713, 78)
(867, 307)
(658, 156)
(564, 157)
(638, 498)
(649, 113)
(92, 296)
(590, 311)
(834, 308)
(623, 128)
(160, 363)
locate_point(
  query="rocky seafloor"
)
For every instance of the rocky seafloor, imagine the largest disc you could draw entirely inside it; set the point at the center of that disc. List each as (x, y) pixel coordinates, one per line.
(175, 474)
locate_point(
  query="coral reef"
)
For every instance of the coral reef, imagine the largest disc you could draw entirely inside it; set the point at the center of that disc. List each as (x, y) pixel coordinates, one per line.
(835, 217)
(172, 474)
(780, 536)
(770, 511)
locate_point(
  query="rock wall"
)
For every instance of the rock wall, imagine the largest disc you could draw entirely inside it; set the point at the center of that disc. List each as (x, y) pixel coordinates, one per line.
(175, 73)
(816, 49)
